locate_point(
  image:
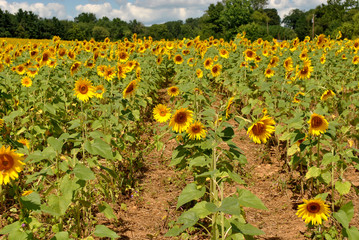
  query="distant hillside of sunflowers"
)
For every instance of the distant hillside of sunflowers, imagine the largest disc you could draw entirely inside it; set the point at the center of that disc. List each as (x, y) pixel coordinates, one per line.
(74, 119)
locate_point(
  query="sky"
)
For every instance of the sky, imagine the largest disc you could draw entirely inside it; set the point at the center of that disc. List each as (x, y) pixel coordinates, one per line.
(146, 11)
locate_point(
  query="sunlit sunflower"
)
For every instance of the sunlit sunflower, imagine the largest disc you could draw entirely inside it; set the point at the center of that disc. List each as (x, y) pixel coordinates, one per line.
(196, 131)
(216, 70)
(181, 120)
(178, 59)
(317, 124)
(261, 131)
(10, 164)
(327, 94)
(161, 113)
(313, 211)
(84, 89)
(208, 63)
(109, 73)
(355, 60)
(230, 101)
(121, 71)
(21, 69)
(298, 97)
(249, 54)
(224, 53)
(305, 72)
(24, 142)
(173, 91)
(269, 73)
(199, 73)
(75, 67)
(159, 60)
(273, 62)
(288, 64)
(26, 81)
(99, 91)
(130, 89)
(322, 59)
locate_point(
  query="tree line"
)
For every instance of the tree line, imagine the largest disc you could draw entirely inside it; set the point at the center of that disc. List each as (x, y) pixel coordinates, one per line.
(221, 20)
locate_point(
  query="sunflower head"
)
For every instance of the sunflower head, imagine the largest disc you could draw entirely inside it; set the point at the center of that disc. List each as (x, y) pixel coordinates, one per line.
(196, 131)
(84, 89)
(161, 113)
(10, 164)
(26, 81)
(181, 120)
(173, 91)
(130, 89)
(261, 130)
(327, 94)
(99, 91)
(313, 211)
(317, 124)
(178, 59)
(199, 73)
(216, 70)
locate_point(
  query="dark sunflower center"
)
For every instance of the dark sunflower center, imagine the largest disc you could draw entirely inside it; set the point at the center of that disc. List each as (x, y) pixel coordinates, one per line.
(163, 113)
(313, 207)
(258, 129)
(316, 122)
(6, 162)
(129, 89)
(173, 90)
(249, 54)
(196, 129)
(178, 58)
(304, 71)
(215, 69)
(181, 118)
(45, 57)
(83, 89)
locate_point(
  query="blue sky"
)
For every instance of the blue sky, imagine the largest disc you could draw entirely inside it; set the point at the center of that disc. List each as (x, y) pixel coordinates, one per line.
(146, 11)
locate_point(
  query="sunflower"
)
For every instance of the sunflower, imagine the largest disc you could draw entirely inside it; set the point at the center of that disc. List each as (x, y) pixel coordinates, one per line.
(130, 89)
(261, 131)
(121, 71)
(208, 63)
(173, 91)
(305, 72)
(318, 124)
(196, 131)
(216, 70)
(21, 69)
(99, 91)
(224, 53)
(123, 56)
(10, 164)
(161, 113)
(273, 62)
(327, 94)
(75, 67)
(230, 101)
(1, 123)
(355, 60)
(199, 73)
(84, 89)
(159, 60)
(288, 64)
(322, 59)
(269, 73)
(297, 98)
(181, 120)
(178, 59)
(109, 73)
(249, 54)
(24, 142)
(313, 211)
(26, 81)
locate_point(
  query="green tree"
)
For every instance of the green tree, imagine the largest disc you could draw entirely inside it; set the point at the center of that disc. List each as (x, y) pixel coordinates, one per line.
(100, 33)
(86, 18)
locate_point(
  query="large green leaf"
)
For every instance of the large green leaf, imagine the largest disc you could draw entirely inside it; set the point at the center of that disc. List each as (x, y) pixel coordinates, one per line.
(99, 147)
(189, 193)
(31, 201)
(84, 173)
(230, 205)
(342, 187)
(345, 214)
(313, 172)
(107, 210)
(248, 199)
(186, 220)
(103, 232)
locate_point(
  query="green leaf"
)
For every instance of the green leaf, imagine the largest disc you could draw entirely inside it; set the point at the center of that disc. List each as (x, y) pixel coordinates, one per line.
(201, 209)
(292, 150)
(329, 158)
(198, 161)
(102, 232)
(245, 228)
(50, 108)
(10, 228)
(107, 210)
(12, 115)
(84, 173)
(189, 193)
(55, 143)
(353, 233)
(57, 205)
(61, 236)
(227, 134)
(18, 235)
(32, 201)
(248, 199)
(313, 172)
(345, 214)
(187, 219)
(230, 205)
(342, 187)
(99, 147)
(235, 177)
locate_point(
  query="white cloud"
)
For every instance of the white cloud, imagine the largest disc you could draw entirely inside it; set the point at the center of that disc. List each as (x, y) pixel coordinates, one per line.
(285, 6)
(48, 10)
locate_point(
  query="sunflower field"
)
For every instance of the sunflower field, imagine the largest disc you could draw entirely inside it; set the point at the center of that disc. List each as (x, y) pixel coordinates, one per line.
(79, 118)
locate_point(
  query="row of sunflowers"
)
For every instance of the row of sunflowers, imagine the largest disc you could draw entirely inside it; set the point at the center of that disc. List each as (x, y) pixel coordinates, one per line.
(73, 116)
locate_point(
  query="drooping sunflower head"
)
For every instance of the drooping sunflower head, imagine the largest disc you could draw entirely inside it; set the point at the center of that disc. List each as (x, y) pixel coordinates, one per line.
(161, 113)
(173, 91)
(109, 73)
(130, 89)
(327, 94)
(261, 131)
(75, 67)
(84, 89)
(355, 60)
(314, 211)
(24, 142)
(181, 120)
(298, 97)
(26, 81)
(230, 101)
(317, 124)
(199, 73)
(196, 131)
(288, 64)
(10, 164)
